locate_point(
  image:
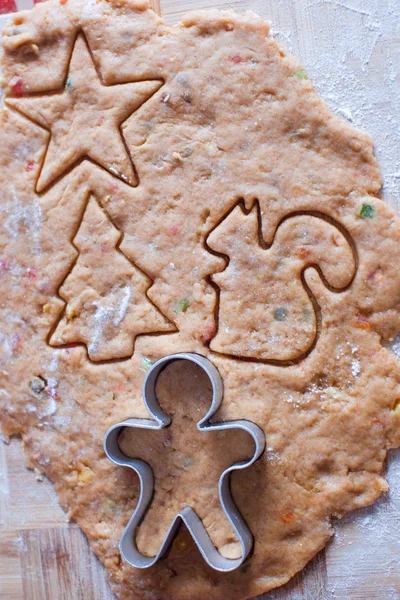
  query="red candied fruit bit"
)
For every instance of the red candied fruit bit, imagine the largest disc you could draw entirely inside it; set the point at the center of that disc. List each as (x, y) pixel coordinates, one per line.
(7, 6)
(45, 286)
(30, 166)
(31, 273)
(375, 276)
(236, 59)
(114, 186)
(302, 252)
(174, 230)
(52, 391)
(208, 334)
(4, 265)
(16, 342)
(377, 423)
(63, 2)
(365, 171)
(18, 87)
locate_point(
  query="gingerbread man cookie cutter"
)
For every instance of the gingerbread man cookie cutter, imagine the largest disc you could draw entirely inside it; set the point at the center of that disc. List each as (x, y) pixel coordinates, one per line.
(187, 515)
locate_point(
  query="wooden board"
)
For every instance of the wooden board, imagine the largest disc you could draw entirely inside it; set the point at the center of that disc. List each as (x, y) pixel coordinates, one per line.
(42, 557)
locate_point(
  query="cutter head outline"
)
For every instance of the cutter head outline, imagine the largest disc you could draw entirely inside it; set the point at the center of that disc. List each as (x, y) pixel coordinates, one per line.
(187, 515)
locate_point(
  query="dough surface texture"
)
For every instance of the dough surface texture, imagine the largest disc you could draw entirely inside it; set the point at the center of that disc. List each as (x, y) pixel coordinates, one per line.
(185, 189)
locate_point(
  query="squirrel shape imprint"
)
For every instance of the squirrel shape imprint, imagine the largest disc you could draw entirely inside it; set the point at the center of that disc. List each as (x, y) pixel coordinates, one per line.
(266, 309)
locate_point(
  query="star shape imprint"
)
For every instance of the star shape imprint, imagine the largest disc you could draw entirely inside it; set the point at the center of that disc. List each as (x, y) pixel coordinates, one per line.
(85, 118)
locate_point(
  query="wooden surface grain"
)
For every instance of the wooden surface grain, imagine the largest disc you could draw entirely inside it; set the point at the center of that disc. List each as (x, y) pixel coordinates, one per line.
(42, 556)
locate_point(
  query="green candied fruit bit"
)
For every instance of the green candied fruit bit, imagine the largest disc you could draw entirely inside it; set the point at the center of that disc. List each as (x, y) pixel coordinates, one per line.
(182, 305)
(68, 83)
(280, 313)
(367, 211)
(300, 73)
(147, 363)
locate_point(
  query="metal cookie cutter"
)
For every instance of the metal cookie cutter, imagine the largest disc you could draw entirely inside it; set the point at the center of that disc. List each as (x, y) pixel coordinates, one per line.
(211, 555)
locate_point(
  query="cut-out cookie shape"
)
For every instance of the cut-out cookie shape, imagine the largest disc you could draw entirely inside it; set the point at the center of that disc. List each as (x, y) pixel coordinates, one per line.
(187, 515)
(84, 119)
(107, 305)
(266, 310)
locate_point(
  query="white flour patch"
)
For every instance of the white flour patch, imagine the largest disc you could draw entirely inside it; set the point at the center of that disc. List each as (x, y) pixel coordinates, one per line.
(366, 548)
(20, 218)
(355, 368)
(53, 366)
(4, 489)
(91, 10)
(62, 421)
(110, 311)
(126, 296)
(354, 63)
(396, 347)
(5, 345)
(49, 409)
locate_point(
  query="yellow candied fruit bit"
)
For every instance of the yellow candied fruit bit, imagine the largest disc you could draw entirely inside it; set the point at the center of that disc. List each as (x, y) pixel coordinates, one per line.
(112, 562)
(381, 485)
(102, 530)
(108, 397)
(396, 407)
(167, 483)
(71, 314)
(38, 474)
(86, 475)
(29, 48)
(46, 308)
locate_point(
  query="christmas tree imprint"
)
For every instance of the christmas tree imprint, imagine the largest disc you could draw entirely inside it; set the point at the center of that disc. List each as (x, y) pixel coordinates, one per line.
(107, 306)
(266, 309)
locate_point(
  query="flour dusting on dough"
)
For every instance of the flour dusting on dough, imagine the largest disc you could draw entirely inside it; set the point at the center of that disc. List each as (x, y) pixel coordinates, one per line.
(256, 129)
(110, 310)
(355, 368)
(354, 66)
(367, 542)
(21, 217)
